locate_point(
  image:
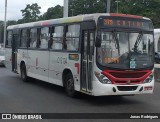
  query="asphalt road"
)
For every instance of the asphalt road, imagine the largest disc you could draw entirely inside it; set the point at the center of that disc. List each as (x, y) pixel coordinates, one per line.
(36, 96)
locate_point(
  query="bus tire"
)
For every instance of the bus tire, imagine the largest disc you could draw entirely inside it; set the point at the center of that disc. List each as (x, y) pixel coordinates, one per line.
(69, 86)
(24, 73)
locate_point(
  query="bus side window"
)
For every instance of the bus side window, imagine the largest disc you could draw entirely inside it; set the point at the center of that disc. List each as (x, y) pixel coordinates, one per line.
(51, 32)
(44, 38)
(58, 38)
(23, 40)
(72, 37)
(33, 38)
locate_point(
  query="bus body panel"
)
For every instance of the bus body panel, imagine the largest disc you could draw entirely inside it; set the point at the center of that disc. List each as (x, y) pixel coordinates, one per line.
(38, 64)
(22, 56)
(58, 63)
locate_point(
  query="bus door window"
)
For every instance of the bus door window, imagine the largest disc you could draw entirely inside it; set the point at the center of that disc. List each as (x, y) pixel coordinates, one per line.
(9, 39)
(33, 38)
(91, 47)
(85, 45)
(58, 38)
(84, 63)
(44, 38)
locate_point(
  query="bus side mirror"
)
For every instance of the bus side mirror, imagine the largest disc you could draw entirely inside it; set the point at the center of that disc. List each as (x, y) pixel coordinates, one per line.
(98, 42)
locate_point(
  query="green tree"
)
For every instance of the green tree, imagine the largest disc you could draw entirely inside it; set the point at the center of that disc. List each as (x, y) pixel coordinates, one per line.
(10, 22)
(53, 13)
(147, 8)
(20, 21)
(31, 13)
(77, 7)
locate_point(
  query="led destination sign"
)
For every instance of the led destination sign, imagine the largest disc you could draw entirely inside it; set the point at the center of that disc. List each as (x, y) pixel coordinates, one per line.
(125, 23)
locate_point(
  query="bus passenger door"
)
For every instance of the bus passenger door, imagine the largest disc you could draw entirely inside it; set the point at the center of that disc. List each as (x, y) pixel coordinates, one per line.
(14, 52)
(87, 60)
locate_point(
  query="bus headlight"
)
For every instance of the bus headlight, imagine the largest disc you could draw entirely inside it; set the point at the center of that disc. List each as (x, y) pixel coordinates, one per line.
(103, 79)
(149, 79)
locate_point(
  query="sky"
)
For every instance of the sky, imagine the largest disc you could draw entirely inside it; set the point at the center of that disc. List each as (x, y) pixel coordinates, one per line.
(14, 7)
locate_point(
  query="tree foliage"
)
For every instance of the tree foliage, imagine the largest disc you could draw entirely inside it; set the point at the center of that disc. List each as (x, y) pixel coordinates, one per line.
(10, 22)
(77, 7)
(31, 13)
(53, 13)
(147, 8)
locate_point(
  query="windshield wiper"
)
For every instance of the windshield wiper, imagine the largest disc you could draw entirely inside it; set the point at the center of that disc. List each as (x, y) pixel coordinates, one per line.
(116, 41)
(139, 39)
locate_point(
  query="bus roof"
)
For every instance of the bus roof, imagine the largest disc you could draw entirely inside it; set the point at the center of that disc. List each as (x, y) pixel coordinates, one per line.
(157, 30)
(78, 18)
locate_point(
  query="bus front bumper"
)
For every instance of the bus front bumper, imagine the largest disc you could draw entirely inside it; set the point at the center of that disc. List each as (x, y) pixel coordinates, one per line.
(100, 89)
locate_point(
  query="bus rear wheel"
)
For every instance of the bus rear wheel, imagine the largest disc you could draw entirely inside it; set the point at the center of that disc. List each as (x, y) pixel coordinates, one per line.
(23, 73)
(69, 86)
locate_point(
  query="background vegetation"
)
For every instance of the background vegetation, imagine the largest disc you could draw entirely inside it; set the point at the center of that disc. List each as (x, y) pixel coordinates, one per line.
(147, 8)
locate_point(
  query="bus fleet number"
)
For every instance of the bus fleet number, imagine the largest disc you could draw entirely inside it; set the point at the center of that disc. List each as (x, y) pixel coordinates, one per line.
(61, 60)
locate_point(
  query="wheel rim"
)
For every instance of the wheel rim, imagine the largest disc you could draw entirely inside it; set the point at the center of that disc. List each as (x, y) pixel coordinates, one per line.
(70, 85)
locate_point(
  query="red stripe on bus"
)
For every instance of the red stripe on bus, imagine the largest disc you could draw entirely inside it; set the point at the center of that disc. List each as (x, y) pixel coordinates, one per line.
(127, 77)
(78, 67)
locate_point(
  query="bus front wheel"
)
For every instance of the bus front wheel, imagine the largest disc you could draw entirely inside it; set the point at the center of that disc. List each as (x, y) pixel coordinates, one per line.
(69, 86)
(23, 73)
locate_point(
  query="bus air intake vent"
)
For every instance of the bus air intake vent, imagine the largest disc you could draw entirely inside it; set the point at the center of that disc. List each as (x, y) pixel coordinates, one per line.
(127, 88)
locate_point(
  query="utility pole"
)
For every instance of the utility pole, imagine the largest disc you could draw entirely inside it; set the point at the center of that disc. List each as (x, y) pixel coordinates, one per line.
(72, 11)
(108, 6)
(65, 9)
(117, 1)
(5, 24)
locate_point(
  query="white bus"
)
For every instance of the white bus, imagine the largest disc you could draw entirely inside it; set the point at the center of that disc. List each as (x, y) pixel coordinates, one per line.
(96, 54)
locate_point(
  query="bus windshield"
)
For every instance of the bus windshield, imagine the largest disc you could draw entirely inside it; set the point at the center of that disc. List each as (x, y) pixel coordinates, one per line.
(126, 50)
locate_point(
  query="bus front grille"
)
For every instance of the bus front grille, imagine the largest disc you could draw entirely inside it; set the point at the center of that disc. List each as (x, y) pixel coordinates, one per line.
(127, 88)
(127, 74)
